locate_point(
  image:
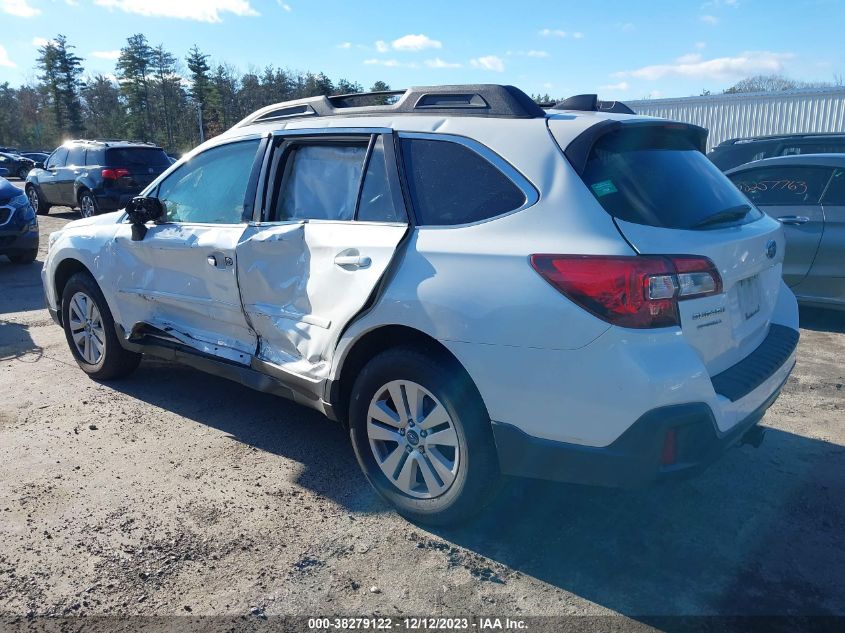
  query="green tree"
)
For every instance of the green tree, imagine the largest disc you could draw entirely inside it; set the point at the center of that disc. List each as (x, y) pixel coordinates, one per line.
(202, 91)
(133, 71)
(60, 71)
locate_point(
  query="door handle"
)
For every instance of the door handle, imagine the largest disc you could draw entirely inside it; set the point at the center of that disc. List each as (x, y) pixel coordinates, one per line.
(219, 261)
(352, 261)
(793, 219)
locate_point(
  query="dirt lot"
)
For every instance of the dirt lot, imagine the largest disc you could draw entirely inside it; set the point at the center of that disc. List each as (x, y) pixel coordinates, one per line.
(174, 492)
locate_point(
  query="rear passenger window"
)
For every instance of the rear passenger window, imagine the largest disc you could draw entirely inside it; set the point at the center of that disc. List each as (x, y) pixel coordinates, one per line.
(835, 194)
(320, 182)
(787, 185)
(451, 184)
(57, 158)
(377, 200)
(76, 156)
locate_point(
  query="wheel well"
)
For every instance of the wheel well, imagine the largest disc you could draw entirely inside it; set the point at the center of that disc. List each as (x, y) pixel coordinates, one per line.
(64, 271)
(375, 342)
(79, 193)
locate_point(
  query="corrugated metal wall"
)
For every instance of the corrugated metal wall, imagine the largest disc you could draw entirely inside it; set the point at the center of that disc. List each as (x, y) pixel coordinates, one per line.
(754, 114)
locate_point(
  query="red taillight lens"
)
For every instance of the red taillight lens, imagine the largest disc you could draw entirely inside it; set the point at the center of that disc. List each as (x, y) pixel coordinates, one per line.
(669, 454)
(114, 173)
(632, 291)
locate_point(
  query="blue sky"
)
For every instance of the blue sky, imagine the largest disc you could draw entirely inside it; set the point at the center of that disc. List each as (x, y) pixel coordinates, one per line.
(623, 49)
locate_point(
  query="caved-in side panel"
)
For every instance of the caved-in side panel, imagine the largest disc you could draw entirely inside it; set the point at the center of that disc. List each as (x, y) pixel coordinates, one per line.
(182, 279)
(301, 284)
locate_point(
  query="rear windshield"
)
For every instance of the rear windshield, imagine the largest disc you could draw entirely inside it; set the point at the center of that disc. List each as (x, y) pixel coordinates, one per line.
(655, 176)
(130, 157)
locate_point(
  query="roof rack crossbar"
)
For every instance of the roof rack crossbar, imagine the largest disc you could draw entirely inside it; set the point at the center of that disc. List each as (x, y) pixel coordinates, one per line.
(591, 103)
(481, 100)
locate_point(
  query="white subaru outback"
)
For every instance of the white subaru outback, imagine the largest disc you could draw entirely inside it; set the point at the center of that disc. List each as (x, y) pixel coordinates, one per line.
(475, 286)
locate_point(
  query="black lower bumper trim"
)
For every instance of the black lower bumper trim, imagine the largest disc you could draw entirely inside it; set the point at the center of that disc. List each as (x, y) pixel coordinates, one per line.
(752, 371)
(634, 459)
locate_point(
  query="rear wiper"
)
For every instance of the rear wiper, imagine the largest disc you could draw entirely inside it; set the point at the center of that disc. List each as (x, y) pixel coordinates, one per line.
(731, 213)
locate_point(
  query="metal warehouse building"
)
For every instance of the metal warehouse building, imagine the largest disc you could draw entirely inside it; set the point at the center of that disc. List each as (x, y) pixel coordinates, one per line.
(754, 113)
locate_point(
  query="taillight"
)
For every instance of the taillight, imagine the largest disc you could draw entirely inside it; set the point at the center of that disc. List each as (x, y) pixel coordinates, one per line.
(114, 173)
(630, 291)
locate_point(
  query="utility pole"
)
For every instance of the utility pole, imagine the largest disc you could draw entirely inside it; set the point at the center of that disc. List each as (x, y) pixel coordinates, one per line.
(199, 122)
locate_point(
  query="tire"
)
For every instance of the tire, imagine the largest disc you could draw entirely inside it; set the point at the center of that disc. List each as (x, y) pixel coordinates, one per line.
(87, 204)
(99, 353)
(447, 394)
(36, 201)
(24, 258)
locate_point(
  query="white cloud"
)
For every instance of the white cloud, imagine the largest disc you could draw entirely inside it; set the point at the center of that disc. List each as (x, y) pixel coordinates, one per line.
(200, 10)
(389, 63)
(105, 54)
(415, 43)
(382, 46)
(531, 53)
(345, 45)
(622, 86)
(712, 20)
(19, 8)
(439, 63)
(284, 5)
(4, 58)
(488, 62)
(40, 41)
(552, 33)
(695, 66)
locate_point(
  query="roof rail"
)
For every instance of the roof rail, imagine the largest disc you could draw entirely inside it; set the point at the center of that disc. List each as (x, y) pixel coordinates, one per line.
(591, 103)
(106, 141)
(481, 100)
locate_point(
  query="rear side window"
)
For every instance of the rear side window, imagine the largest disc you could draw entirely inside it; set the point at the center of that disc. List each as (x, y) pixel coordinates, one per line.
(94, 157)
(820, 147)
(835, 194)
(377, 199)
(321, 182)
(657, 177)
(76, 155)
(786, 185)
(451, 184)
(133, 157)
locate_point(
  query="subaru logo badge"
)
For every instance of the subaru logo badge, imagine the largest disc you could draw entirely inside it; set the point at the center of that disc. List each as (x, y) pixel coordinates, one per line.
(771, 249)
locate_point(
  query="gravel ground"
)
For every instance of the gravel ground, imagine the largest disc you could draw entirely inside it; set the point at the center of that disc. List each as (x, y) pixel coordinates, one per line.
(174, 492)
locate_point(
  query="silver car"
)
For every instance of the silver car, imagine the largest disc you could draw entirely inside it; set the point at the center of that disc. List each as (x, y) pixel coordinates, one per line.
(805, 193)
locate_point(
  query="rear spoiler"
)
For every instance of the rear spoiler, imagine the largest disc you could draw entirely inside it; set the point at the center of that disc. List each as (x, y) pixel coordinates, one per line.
(578, 151)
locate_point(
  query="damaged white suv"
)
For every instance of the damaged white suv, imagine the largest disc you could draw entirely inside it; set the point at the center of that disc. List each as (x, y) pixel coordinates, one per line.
(474, 285)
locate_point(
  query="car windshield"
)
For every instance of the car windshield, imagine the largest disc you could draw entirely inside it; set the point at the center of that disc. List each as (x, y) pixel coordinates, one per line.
(655, 176)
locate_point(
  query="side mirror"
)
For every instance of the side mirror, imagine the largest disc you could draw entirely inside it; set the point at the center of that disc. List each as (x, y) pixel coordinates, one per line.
(142, 210)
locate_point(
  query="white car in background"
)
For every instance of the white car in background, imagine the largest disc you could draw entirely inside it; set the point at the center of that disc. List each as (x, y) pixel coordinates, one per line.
(472, 284)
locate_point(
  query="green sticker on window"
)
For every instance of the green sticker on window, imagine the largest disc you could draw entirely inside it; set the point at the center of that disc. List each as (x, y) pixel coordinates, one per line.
(604, 188)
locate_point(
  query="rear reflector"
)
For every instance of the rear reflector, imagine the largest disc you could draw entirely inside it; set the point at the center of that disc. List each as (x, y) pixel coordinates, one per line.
(669, 454)
(114, 173)
(630, 291)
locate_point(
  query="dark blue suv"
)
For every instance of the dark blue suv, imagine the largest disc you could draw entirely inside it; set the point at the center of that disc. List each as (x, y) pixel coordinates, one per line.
(94, 176)
(18, 224)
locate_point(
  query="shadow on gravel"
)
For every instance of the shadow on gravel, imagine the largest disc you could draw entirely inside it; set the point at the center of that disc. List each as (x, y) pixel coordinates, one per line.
(822, 320)
(760, 533)
(20, 286)
(267, 422)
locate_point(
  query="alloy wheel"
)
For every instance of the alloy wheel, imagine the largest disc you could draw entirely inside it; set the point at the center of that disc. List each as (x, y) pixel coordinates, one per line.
(413, 439)
(86, 206)
(86, 327)
(33, 199)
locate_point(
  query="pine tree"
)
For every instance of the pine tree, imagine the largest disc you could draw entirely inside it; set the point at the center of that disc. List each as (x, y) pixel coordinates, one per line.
(133, 70)
(60, 72)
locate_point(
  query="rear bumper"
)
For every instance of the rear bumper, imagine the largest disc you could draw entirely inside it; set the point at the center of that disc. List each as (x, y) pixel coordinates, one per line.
(633, 459)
